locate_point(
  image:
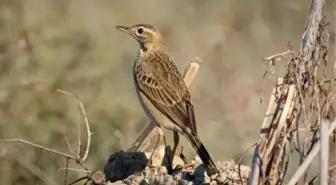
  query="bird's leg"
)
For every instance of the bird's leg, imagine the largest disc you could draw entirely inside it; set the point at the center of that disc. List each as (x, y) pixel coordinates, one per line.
(160, 136)
(170, 162)
(184, 159)
(176, 142)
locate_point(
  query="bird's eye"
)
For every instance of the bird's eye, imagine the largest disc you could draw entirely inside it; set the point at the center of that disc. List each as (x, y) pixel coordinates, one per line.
(140, 31)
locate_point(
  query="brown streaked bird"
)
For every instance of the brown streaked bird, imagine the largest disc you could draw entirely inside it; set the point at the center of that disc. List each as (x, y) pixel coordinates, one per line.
(162, 91)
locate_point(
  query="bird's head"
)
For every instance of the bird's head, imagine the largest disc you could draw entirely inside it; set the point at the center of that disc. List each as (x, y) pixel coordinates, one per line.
(147, 35)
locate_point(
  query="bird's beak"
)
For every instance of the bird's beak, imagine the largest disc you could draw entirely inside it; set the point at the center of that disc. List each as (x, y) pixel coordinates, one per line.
(123, 28)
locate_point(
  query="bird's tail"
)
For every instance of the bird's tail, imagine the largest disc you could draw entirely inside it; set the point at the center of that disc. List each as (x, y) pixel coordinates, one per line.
(208, 163)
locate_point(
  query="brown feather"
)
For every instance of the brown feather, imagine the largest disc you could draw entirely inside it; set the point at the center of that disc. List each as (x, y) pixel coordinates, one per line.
(169, 95)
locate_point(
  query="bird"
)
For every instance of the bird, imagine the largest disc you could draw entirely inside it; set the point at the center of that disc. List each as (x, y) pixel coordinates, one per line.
(162, 91)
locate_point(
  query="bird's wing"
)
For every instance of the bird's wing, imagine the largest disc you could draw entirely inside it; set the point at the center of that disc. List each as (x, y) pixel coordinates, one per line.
(159, 80)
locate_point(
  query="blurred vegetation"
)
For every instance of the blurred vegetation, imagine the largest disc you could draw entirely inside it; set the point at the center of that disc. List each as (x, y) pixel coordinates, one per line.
(72, 45)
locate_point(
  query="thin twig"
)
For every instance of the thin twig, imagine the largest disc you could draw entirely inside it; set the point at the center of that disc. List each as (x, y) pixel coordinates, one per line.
(66, 171)
(69, 147)
(306, 122)
(38, 146)
(86, 120)
(78, 180)
(79, 135)
(277, 56)
(88, 142)
(72, 169)
(89, 178)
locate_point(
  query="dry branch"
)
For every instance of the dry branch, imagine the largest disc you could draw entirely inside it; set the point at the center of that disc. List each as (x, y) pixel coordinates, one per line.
(38, 146)
(87, 125)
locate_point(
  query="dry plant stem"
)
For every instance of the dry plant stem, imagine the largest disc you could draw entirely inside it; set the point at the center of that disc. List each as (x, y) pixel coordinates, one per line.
(86, 121)
(79, 135)
(283, 118)
(287, 109)
(324, 153)
(302, 100)
(39, 146)
(261, 144)
(302, 168)
(286, 104)
(191, 72)
(66, 171)
(276, 56)
(311, 28)
(72, 169)
(146, 136)
(69, 147)
(88, 132)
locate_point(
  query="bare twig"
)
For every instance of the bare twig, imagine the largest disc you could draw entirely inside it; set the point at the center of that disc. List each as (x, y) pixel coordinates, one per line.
(79, 135)
(38, 146)
(90, 178)
(72, 169)
(87, 125)
(88, 131)
(70, 148)
(278, 56)
(66, 171)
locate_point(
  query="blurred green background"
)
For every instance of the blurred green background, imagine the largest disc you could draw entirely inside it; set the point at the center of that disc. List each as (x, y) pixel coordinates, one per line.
(72, 45)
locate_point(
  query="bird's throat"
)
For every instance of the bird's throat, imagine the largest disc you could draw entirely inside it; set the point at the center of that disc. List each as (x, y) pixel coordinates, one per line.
(151, 47)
